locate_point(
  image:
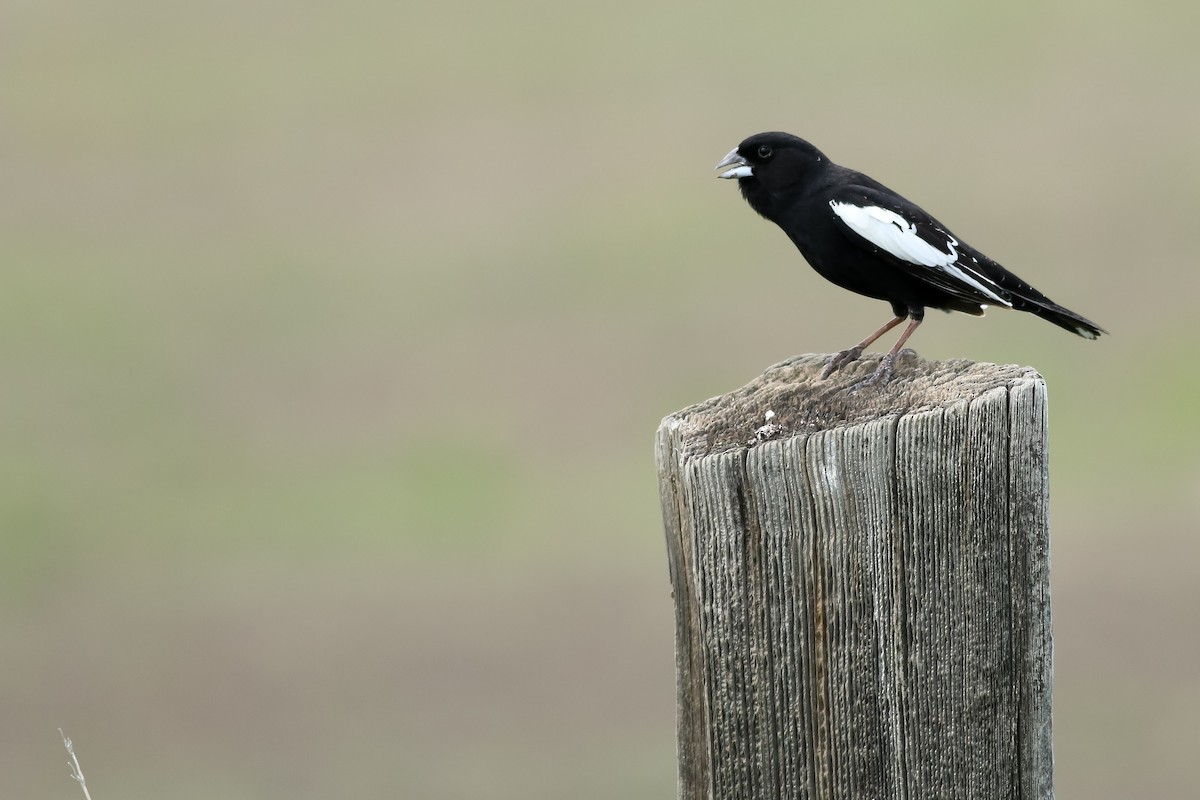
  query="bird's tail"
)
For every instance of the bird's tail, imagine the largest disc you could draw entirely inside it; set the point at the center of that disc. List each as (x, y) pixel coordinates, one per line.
(1026, 298)
(1050, 311)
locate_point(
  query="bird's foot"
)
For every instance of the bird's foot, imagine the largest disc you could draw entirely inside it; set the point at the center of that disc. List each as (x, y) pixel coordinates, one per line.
(881, 376)
(839, 360)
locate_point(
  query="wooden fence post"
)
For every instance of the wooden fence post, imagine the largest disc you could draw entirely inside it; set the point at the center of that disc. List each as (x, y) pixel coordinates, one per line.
(861, 592)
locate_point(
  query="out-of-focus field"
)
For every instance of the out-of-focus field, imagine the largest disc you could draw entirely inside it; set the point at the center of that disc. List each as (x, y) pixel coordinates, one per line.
(333, 338)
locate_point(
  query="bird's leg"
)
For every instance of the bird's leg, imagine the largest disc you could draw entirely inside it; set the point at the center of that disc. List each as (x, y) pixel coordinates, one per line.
(883, 373)
(839, 360)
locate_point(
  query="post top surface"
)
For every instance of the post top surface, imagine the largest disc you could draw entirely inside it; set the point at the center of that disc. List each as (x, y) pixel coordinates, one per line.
(802, 402)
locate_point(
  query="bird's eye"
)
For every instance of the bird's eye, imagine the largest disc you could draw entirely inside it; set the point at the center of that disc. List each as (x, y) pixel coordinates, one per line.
(764, 151)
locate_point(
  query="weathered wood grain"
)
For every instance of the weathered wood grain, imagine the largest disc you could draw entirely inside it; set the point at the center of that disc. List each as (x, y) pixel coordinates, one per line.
(862, 591)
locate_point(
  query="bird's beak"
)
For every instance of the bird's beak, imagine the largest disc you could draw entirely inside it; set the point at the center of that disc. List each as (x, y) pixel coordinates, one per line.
(741, 168)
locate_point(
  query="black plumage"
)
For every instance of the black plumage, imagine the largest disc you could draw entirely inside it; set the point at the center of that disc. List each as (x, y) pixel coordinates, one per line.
(864, 237)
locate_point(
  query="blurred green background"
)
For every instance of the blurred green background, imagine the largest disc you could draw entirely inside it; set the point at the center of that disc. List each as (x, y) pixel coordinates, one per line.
(335, 337)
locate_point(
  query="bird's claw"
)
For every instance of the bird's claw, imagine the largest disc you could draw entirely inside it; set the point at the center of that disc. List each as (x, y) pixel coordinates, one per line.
(881, 376)
(839, 360)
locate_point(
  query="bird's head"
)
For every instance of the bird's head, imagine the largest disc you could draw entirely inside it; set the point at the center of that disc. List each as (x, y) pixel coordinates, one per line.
(776, 161)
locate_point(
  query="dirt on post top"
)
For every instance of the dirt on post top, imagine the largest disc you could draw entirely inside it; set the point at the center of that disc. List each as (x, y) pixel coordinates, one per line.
(791, 398)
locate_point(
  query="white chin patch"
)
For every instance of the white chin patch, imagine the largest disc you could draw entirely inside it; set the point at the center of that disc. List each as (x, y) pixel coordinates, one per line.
(744, 171)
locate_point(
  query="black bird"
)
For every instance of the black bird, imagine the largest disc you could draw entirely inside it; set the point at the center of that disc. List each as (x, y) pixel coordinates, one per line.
(864, 237)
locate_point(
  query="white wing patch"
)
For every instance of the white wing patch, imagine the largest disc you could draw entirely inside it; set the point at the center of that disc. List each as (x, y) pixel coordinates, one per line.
(889, 231)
